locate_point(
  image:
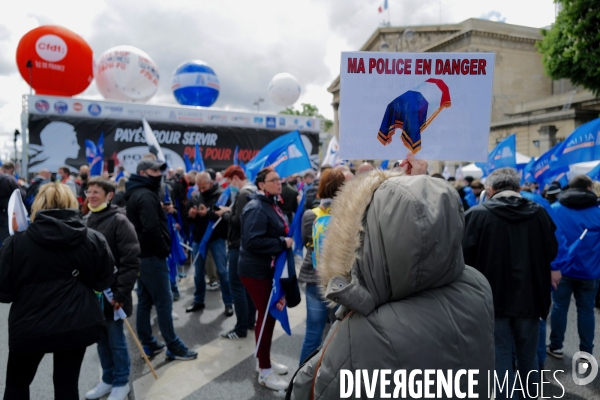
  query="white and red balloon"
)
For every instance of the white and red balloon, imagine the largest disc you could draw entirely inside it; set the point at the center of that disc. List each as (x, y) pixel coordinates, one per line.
(284, 89)
(127, 73)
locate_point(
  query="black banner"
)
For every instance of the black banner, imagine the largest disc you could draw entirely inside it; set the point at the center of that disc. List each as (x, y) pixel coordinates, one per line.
(56, 141)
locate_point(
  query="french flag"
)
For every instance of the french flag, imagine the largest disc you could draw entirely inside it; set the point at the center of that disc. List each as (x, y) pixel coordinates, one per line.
(383, 7)
(413, 111)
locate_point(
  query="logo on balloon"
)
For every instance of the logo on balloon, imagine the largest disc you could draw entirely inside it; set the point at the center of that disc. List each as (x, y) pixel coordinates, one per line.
(42, 106)
(51, 48)
(94, 109)
(77, 106)
(61, 107)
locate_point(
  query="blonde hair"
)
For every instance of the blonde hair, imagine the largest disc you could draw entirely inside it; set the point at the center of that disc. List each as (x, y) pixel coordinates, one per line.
(53, 196)
(596, 188)
(121, 185)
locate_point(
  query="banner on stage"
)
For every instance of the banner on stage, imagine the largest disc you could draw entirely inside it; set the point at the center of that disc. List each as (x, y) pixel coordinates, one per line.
(435, 105)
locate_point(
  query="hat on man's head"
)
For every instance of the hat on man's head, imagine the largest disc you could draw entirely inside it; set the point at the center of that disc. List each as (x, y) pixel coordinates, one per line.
(553, 189)
(150, 164)
(310, 172)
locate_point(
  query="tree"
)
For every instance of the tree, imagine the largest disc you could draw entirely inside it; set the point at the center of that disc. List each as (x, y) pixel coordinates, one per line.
(571, 48)
(308, 110)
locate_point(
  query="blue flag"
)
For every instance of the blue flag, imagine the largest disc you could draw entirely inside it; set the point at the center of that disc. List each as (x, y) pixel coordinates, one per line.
(177, 255)
(198, 161)
(501, 156)
(188, 164)
(120, 175)
(235, 156)
(278, 304)
(384, 164)
(296, 227)
(541, 171)
(580, 146)
(95, 155)
(286, 155)
(595, 173)
(526, 175)
(221, 202)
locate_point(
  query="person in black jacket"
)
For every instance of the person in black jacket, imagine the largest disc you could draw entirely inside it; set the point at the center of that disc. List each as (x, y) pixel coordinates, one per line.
(48, 273)
(289, 198)
(511, 241)
(145, 212)
(245, 312)
(111, 222)
(8, 184)
(201, 214)
(264, 237)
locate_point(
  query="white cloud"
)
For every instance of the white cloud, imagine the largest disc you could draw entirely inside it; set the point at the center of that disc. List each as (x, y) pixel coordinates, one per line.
(246, 43)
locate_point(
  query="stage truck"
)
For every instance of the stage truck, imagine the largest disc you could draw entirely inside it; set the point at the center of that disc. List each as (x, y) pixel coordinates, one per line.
(58, 128)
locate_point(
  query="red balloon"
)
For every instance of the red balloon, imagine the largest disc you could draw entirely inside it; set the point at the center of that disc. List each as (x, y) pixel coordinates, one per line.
(62, 63)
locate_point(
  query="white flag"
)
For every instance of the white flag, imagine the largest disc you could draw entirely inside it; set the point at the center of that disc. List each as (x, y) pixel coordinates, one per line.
(16, 207)
(459, 175)
(152, 142)
(333, 156)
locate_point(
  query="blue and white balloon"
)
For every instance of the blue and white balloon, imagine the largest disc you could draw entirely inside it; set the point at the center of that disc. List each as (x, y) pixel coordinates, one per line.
(195, 84)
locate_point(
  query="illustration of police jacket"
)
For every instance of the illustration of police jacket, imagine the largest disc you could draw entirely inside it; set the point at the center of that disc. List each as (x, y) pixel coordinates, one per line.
(413, 111)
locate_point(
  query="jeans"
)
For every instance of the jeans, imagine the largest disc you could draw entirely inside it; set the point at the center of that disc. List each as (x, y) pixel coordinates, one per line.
(154, 288)
(21, 370)
(585, 297)
(522, 334)
(245, 312)
(316, 318)
(541, 352)
(219, 253)
(114, 357)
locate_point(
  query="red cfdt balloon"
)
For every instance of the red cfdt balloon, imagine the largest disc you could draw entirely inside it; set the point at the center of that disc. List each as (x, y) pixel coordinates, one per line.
(55, 61)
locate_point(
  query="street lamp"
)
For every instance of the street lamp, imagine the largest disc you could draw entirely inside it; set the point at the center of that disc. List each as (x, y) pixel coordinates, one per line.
(257, 103)
(17, 133)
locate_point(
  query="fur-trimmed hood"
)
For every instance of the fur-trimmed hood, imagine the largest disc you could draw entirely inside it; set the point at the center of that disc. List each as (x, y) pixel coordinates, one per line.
(391, 236)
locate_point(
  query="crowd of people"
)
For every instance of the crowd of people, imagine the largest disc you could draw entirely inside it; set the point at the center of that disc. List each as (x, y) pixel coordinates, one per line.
(392, 258)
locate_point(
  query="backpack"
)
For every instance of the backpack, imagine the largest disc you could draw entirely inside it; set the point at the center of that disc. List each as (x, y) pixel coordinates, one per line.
(318, 232)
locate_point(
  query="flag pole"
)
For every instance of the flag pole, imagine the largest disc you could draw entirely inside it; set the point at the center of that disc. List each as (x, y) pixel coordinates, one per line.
(139, 345)
(262, 327)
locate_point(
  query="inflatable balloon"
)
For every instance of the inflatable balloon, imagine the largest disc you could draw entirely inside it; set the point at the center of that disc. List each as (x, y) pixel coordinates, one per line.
(284, 89)
(126, 73)
(61, 62)
(194, 83)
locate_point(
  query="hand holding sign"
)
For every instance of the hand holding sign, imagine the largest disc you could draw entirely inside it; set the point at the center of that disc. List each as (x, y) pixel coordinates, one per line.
(412, 166)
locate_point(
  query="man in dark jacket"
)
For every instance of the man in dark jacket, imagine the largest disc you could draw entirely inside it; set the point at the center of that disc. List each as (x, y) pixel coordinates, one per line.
(511, 241)
(202, 213)
(289, 197)
(111, 222)
(245, 312)
(8, 184)
(154, 287)
(575, 211)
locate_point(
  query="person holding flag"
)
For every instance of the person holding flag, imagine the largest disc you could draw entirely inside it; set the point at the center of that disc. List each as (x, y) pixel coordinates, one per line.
(210, 233)
(263, 237)
(111, 221)
(48, 272)
(575, 211)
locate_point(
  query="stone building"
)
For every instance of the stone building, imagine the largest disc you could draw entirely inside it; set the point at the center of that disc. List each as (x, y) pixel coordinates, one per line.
(525, 100)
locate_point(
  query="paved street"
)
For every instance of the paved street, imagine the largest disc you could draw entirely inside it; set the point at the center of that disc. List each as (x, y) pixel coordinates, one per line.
(225, 369)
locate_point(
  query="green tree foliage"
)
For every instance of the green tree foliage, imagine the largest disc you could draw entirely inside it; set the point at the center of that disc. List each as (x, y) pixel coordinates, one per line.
(571, 48)
(308, 110)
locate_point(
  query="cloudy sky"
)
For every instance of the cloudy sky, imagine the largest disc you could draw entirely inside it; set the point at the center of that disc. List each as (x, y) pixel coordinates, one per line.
(245, 42)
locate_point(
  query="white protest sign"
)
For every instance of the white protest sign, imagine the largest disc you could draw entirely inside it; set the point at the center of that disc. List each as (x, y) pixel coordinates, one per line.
(16, 206)
(436, 105)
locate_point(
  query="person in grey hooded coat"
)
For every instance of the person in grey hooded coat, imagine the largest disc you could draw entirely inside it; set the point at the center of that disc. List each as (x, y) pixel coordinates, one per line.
(393, 261)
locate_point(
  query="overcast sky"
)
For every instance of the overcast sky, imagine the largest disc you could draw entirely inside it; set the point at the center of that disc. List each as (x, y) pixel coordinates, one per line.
(245, 42)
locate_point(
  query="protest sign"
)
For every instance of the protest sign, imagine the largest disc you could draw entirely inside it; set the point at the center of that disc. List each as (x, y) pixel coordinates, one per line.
(436, 105)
